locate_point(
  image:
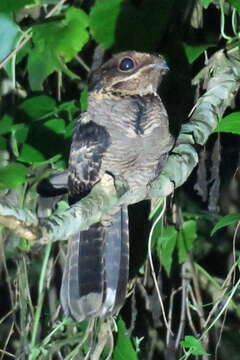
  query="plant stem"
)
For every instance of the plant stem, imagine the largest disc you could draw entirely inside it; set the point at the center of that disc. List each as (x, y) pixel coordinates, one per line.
(41, 293)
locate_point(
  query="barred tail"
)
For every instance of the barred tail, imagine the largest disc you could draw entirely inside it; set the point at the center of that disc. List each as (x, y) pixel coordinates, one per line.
(96, 272)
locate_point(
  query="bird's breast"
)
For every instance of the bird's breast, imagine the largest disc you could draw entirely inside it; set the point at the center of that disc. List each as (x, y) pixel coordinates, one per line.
(138, 132)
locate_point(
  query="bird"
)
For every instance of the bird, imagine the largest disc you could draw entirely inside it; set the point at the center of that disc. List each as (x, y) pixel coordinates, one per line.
(124, 133)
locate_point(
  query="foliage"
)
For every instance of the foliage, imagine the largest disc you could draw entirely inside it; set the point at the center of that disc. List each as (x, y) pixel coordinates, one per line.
(46, 50)
(229, 124)
(195, 346)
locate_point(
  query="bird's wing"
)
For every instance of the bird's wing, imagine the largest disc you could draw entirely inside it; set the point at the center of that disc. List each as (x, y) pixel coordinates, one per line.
(89, 144)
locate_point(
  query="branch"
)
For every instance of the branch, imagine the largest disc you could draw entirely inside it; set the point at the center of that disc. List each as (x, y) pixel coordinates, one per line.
(222, 75)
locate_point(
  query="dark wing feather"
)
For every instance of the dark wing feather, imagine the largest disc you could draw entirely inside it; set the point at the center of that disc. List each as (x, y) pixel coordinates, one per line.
(89, 144)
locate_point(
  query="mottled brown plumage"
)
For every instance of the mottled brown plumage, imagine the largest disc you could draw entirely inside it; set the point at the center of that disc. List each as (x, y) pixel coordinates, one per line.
(123, 133)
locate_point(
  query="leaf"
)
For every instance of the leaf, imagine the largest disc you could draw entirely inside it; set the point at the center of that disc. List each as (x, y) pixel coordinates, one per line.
(186, 237)
(19, 135)
(206, 3)
(38, 106)
(69, 130)
(3, 143)
(13, 5)
(123, 23)
(74, 35)
(236, 4)
(193, 52)
(30, 154)
(6, 124)
(8, 34)
(20, 132)
(56, 125)
(84, 99)
(229, 124)
(195, 346)
(12, 176)
(55, 43)
(165, 246)
(53, 160)
(69, 106)
(124, 348)
(225, 221)
(103, 20)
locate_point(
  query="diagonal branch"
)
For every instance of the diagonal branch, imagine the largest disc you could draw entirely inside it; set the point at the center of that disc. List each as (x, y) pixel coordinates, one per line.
(222, 75)
(223, 81)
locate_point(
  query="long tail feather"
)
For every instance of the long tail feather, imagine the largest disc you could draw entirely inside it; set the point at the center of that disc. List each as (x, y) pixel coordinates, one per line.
(96, 272)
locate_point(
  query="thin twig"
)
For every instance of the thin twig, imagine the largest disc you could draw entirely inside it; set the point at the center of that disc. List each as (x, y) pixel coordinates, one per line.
(190, 320)
(194, 301)
(103, 337)
(185, 285)
(220, 335)
(170, 312)
(55, 8)
(199, 299)
(8, 280)
(234, 250)
(7, 340)
(81, 62)
(152, 266)
(59, 86)
(41, 293)
(6, 315)
(14, 52)
(224, 287)
(111, 342)
(7, 353)
(88, 332)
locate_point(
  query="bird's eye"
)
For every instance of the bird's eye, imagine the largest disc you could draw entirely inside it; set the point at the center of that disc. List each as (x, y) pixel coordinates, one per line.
(126, 64)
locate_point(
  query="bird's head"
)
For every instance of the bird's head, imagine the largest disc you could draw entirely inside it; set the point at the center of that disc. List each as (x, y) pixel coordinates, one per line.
(129, 73)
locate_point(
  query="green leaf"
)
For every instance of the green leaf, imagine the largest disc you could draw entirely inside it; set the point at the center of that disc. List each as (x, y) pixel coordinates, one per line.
(38, 106)
(165, 246)
(74, 35)
(236, 4)
(54, 43)
(14, 145)
(20, 132)
(3, 143)
(193, 52)
(123, 349)
(56, 125)
(13, 5)
(6, 124)
(186, 237)
(103, 19)
(69, 130)
(84, 99)
(54, 161)
(195, 346)
(123, 23)
(8, 34)
(30, 154)
(225, 221)
(206, 3)
(229, 124)
(12, 176)
(69, 106)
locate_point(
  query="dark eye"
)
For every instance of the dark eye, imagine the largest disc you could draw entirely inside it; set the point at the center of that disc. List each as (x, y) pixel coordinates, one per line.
(126, 64)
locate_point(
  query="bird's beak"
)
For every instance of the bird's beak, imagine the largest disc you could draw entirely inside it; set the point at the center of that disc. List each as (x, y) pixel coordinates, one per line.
(162, 66)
